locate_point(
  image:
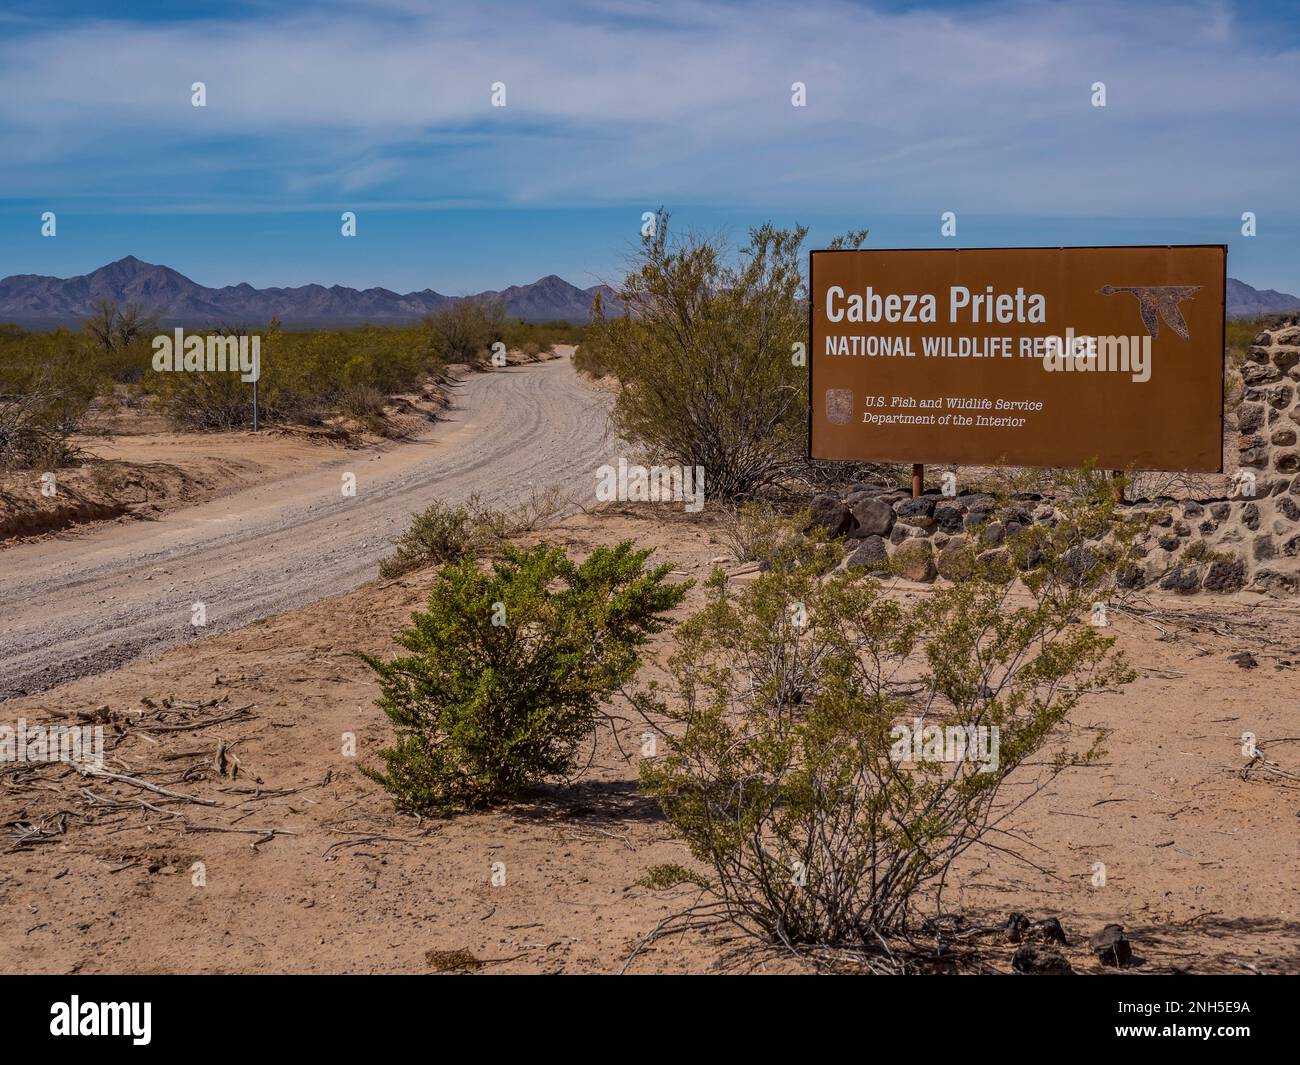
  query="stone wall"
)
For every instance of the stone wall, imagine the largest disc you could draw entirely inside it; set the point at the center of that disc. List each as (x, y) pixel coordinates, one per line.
(1247, 538)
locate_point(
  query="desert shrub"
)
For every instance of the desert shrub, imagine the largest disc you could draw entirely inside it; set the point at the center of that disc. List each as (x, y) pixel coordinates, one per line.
(517, 333)
(785, 768)
(362, 401)
(669, 875)
(306, 378)
(466, 328)
(217, 400)
(506, 671)
(448, 532)
(755, 532)
(47, 384)
(121, 339)
(703, 352)
(591, 356)
(442, 532)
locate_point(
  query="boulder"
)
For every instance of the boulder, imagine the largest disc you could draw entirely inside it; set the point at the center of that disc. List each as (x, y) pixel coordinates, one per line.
(949, 519)
(1183, 578)
(1267, 580)
(1111, 946)
(832, 515)
(918, 512)
(874, 518)
(870, 554)
(1225, 575)
(915, 561)
(954, 561)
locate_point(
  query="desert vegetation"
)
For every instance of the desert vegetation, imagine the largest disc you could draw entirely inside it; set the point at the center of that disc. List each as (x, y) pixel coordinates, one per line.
(783, 771)
(705, 354)
(47, 383)
(506, 671)
(448, 532)
(50, 381)
(780, 720)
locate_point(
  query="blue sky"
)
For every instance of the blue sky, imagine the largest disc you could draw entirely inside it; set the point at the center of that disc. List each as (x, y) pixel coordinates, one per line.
(384, 109)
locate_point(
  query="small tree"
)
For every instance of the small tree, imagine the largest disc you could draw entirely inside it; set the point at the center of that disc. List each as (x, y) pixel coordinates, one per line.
(705, 354)
(466, 328)
(120, 335)
(507, 670)
(790, 768)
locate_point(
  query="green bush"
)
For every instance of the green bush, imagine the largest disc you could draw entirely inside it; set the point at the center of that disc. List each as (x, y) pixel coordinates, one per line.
(306, 377)
(506, 671)
(444, 532)
(47, 384)
(466, 328)
(783, 771)
(704, 352)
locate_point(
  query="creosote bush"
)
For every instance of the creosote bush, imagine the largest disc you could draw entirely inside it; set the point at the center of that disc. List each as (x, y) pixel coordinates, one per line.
(48, 382)
(506, 671)
(785, 769)
(448, 532)
(754, 531)
(465, 329)
(704, 354)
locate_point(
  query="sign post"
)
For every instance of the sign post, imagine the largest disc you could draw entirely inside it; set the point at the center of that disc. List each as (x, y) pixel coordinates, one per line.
(1019, 356)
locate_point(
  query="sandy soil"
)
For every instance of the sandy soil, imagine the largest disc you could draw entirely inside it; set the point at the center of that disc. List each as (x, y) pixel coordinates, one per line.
(92, 599)
(1201, 864)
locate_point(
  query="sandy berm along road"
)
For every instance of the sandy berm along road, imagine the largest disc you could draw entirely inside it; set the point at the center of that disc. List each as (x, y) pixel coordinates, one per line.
(95, 599)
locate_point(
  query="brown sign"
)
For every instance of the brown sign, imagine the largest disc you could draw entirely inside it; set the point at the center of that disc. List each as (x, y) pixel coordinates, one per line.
(1020, 356)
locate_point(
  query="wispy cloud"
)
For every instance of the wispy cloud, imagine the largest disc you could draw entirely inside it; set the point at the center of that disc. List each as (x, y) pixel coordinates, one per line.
(982, 108)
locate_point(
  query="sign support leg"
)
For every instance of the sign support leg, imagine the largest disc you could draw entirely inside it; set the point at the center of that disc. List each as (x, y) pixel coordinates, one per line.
(918, 480)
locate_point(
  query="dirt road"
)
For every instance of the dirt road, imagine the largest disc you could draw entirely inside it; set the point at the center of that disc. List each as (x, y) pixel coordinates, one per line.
(93, 600)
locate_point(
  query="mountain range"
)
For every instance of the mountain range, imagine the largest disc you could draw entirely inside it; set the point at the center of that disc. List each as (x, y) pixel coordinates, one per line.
(1247, 302)
(35, 300)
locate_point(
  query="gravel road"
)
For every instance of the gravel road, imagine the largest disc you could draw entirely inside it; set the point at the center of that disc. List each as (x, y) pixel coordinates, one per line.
(92, 600)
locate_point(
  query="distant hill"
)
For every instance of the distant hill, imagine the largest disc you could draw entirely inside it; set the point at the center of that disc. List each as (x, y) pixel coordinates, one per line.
(34, 300)
(1247, 302)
